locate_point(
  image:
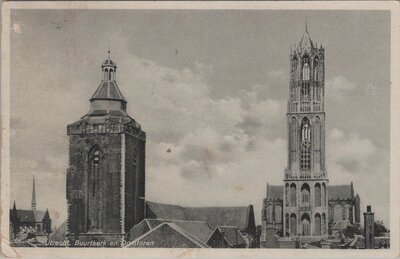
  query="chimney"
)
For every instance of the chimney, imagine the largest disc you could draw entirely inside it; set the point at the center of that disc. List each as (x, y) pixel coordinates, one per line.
(369, 208)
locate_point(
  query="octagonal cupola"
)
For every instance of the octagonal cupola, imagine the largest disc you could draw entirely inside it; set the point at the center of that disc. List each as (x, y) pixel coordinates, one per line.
(108, 96)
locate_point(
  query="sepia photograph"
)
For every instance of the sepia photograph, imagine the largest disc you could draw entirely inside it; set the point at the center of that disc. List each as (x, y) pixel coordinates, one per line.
(129, 126)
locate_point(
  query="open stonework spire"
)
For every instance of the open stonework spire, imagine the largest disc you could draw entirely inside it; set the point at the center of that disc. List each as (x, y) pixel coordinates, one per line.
(306, 42)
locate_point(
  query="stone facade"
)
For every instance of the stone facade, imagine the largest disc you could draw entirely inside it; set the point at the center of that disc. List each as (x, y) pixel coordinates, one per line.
(105, 178)
(302, 208)
(305, 203)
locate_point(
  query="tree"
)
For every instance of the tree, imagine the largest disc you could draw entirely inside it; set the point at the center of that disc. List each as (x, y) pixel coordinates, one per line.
(379, 228)
(349, 232)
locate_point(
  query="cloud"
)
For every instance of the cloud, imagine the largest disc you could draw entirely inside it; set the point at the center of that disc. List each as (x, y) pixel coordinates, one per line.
(273, 73)
(350, 152)
(338, 87)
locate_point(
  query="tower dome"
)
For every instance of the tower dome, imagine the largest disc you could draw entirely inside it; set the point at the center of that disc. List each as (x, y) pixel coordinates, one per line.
(108, 94)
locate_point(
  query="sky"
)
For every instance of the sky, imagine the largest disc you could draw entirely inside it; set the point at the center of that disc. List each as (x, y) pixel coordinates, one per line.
(211, 86)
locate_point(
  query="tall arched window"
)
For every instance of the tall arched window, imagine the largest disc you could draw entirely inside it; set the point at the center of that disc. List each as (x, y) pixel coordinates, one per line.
(306, 68)
(305, 159)
(305, 224)
(287, 194)
(323, 195)
(293, 196)
(293, 224)
(294, 68)
(305, 195)
(317, 196)
(270, 210)
(278, 214)
(293, 139)
(106, 74)
(134, 159)
(287, 225)
(316, 64)
(317, 224)
(323, 222)
(94, 190)
(338, 212)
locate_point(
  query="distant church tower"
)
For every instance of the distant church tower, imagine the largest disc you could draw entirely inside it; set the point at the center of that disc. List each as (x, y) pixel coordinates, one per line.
(106, 174)
(33, 204)
(305, 198)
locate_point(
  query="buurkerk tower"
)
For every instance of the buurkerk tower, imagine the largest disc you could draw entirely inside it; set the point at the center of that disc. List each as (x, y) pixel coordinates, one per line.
(106, 174)
(305, 178)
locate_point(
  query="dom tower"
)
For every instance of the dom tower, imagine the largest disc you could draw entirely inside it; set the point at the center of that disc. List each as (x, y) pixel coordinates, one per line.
(106, 174)
(305, 201)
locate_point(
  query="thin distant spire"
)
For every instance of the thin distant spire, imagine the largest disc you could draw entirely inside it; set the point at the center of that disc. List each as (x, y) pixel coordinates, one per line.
(33, 195)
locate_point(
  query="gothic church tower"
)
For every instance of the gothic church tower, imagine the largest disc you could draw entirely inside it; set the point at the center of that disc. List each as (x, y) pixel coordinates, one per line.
(106, 174)
(305, 201)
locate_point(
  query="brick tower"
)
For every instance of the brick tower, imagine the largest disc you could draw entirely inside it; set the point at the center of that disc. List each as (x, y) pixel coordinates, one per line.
(369, 231)
(106, 174)
(305, 201)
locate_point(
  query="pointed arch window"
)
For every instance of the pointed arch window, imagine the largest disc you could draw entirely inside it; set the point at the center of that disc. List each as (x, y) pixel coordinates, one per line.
(94, 188)
(306, 68)
(278, 214)
(317, 195)
(270, 211)
(305, 161)
(316, 64)
(293, 196)
(134, 159)
(105, 74)
(305, 195)
(294, 68)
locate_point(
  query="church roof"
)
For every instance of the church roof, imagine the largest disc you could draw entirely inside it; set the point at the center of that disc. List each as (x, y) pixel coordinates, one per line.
(25, 216)
(108, 90)
(199, 229)
(30, 215)
(339, 192)
(232, 235)
(177, 236)
(275, 192)
(214, 216)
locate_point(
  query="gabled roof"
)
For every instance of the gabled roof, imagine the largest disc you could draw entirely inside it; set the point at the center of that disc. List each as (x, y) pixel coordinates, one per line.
(60, 233)
(341, 192)
(25, 216)
(177, 237)
(232, 235)
(108, 90)
(198, 229)
(214, 216)
(30, 215)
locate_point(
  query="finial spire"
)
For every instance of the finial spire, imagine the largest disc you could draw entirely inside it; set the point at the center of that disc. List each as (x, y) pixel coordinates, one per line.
(109, 50)
(33, 195)
(305, 25)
